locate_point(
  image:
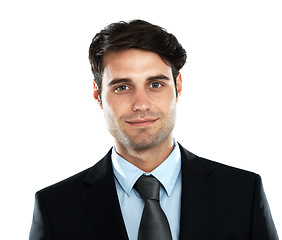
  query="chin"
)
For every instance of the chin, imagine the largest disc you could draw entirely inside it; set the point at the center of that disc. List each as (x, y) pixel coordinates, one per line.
(142, 145)
(145, 142)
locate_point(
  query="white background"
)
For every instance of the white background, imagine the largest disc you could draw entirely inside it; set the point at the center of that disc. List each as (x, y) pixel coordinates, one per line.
(51, 128)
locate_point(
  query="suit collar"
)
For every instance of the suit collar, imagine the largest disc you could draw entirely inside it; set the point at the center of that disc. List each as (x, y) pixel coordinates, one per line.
(101, 201)
(167, 172)
(198, 196)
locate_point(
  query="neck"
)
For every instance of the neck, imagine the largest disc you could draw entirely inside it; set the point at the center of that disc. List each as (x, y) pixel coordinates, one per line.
(146, 159)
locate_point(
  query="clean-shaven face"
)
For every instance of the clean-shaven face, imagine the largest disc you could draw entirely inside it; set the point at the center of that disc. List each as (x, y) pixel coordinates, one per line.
(138, 97)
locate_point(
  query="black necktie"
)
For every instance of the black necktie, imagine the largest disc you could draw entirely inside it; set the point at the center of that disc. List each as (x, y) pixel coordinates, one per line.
(154, 224)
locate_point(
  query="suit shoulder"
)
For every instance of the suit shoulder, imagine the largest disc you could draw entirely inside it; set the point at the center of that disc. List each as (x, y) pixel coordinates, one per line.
(227, 169)
(67, 184)
(76, 183)
(231, 178)
(205, 166)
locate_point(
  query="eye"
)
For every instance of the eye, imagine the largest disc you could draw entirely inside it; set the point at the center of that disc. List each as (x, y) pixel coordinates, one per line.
(156, 85)
(121, 88)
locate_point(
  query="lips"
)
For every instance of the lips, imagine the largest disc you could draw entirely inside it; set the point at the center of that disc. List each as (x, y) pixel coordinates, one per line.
(142, 122)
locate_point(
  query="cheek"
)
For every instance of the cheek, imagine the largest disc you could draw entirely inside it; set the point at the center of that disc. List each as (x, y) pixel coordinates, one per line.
(117, 103)
(113, 108)
(166, 103)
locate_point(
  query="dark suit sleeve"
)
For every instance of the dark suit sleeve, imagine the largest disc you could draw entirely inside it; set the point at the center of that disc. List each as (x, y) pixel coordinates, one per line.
(40, 228)
(263, 227)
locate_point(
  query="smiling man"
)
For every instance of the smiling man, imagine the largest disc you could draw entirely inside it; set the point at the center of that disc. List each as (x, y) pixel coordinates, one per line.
(139, 103)
(148, 186)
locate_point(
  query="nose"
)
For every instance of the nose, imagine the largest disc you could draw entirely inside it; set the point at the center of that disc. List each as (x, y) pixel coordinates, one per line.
(141, 101)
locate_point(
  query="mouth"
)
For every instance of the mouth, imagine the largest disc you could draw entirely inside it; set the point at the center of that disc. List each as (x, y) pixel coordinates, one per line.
(142, 122)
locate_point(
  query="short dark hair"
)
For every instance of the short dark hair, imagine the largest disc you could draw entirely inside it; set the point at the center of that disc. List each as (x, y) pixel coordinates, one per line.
(135, 34)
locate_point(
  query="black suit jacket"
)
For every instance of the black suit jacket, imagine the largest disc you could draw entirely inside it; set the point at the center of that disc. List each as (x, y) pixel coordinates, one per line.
(218, 203)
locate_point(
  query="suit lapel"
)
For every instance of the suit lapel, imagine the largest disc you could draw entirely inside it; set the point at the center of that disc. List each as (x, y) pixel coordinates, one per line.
(101, 201)
(198, 193)
(197, 199)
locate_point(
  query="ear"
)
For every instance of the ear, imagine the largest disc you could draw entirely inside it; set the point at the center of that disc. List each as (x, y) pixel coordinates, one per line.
(96, 94)
(178, 86)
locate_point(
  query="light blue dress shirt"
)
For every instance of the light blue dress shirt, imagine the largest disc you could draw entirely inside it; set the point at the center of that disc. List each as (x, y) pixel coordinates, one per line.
(131, 203)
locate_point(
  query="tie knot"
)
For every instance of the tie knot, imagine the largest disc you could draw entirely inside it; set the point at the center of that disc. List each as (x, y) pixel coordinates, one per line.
(148, 187)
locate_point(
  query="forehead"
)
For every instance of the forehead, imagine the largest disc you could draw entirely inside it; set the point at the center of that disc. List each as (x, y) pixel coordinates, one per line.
(133, 63)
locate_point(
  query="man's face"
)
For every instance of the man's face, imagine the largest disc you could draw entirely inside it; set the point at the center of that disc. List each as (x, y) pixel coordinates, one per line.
(138, 98)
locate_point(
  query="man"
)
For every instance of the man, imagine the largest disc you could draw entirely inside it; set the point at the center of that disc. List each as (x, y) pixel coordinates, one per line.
(148, 186)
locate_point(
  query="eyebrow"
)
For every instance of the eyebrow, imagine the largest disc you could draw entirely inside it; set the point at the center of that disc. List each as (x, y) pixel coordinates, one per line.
(119, 80)
(158, 77)
(128, 80)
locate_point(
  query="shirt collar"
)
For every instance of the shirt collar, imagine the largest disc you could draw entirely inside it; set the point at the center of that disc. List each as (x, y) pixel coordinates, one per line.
(167, 172)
